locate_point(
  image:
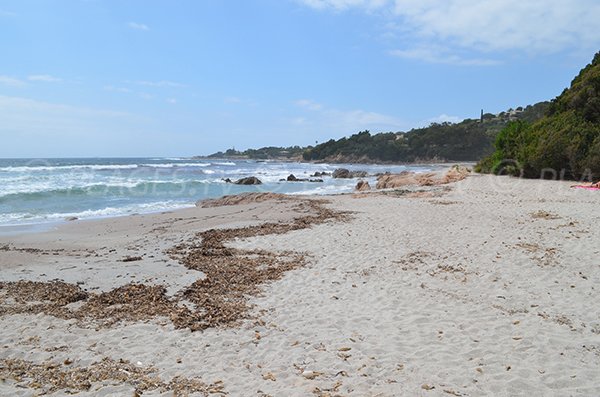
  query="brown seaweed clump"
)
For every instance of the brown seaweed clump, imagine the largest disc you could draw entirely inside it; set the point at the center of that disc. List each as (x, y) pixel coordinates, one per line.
(232, 274)
(50, 377)
(33, 297)
(218, 299)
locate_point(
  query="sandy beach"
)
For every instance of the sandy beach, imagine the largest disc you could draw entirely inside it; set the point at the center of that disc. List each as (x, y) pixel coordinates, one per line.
(486, 286)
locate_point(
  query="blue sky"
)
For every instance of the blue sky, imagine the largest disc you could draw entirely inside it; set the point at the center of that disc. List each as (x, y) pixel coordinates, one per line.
(177, 78)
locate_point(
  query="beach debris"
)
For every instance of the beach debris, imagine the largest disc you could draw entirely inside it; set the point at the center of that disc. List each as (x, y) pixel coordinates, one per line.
(544, 215)
(233, 274)
(71, 218)
(250, 180)
(218, 299)
(243, 198)
(49, 377)
(425, 386)
(131, 259)
(310, 375)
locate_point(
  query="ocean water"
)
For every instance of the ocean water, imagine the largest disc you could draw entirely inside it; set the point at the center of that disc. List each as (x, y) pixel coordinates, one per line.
(34, 191)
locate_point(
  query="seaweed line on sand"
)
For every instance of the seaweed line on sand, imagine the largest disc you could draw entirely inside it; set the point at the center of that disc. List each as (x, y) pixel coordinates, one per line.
(218, 299)
(49, 377)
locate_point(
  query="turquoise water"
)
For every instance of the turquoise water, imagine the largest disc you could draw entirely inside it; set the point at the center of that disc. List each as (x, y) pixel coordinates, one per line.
(44, 190)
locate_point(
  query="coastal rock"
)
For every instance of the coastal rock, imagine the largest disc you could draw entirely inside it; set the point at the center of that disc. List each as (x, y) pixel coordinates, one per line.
(71, 218)
(251, 180)
(345, 173)
(405, 178)
(227, 180)
(317, 174)
(362, 186)
(292, 178)
(341, 173)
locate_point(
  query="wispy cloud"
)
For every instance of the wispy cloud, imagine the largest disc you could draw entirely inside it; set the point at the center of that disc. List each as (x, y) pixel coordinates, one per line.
(7, 14)
(443, 118)
(117, 89)
(162, 83)
(232, 99)
(432, 55)
(308, 104)
(44, 78)
(11, 81)
(138, 26)
(344, 4)
(344, 121)
(529, 26)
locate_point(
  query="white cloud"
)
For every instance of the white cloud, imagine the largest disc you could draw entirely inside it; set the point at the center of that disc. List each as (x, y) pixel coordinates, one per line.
(443, 56)
(138, 26)
(531, 26)
(443, 118)
(11, 81)
(44, 78)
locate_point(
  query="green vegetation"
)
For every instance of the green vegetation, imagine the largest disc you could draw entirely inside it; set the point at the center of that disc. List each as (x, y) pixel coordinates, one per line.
(565, 143)
(264, 153)
(468, 140)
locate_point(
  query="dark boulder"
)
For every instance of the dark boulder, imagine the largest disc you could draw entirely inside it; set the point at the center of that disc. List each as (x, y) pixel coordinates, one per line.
(292, 178)
(251, 180)
(341, 173)
(344, 173)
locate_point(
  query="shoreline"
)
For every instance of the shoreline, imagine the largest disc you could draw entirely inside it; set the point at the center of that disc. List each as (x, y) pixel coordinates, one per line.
(485, 287)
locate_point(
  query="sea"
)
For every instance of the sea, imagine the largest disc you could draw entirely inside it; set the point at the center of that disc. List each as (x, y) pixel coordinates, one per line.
(40, 191)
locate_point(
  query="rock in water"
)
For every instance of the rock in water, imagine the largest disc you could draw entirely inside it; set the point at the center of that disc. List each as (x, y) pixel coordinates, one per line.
(344, 173)
(341, 173)
(251, 180)
(292, 178)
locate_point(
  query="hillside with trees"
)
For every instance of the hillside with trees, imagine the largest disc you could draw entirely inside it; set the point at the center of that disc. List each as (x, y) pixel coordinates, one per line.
(469, 140)
(264, 153)
(565, 143)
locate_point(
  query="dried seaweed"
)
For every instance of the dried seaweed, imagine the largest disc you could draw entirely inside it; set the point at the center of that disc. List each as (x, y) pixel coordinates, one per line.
(50, 377)
(220, 299)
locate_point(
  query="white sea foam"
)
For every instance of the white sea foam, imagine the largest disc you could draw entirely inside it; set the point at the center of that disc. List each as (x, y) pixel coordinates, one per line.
(225, 163)
(97, 167)
(28, 218)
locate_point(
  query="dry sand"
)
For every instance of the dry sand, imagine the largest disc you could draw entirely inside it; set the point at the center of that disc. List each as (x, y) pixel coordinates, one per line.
(488, 286)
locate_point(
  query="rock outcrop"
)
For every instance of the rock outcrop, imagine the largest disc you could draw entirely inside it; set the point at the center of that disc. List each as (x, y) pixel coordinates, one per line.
(405, 178)
(345, 173)
(251, 180)
(362, 186)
